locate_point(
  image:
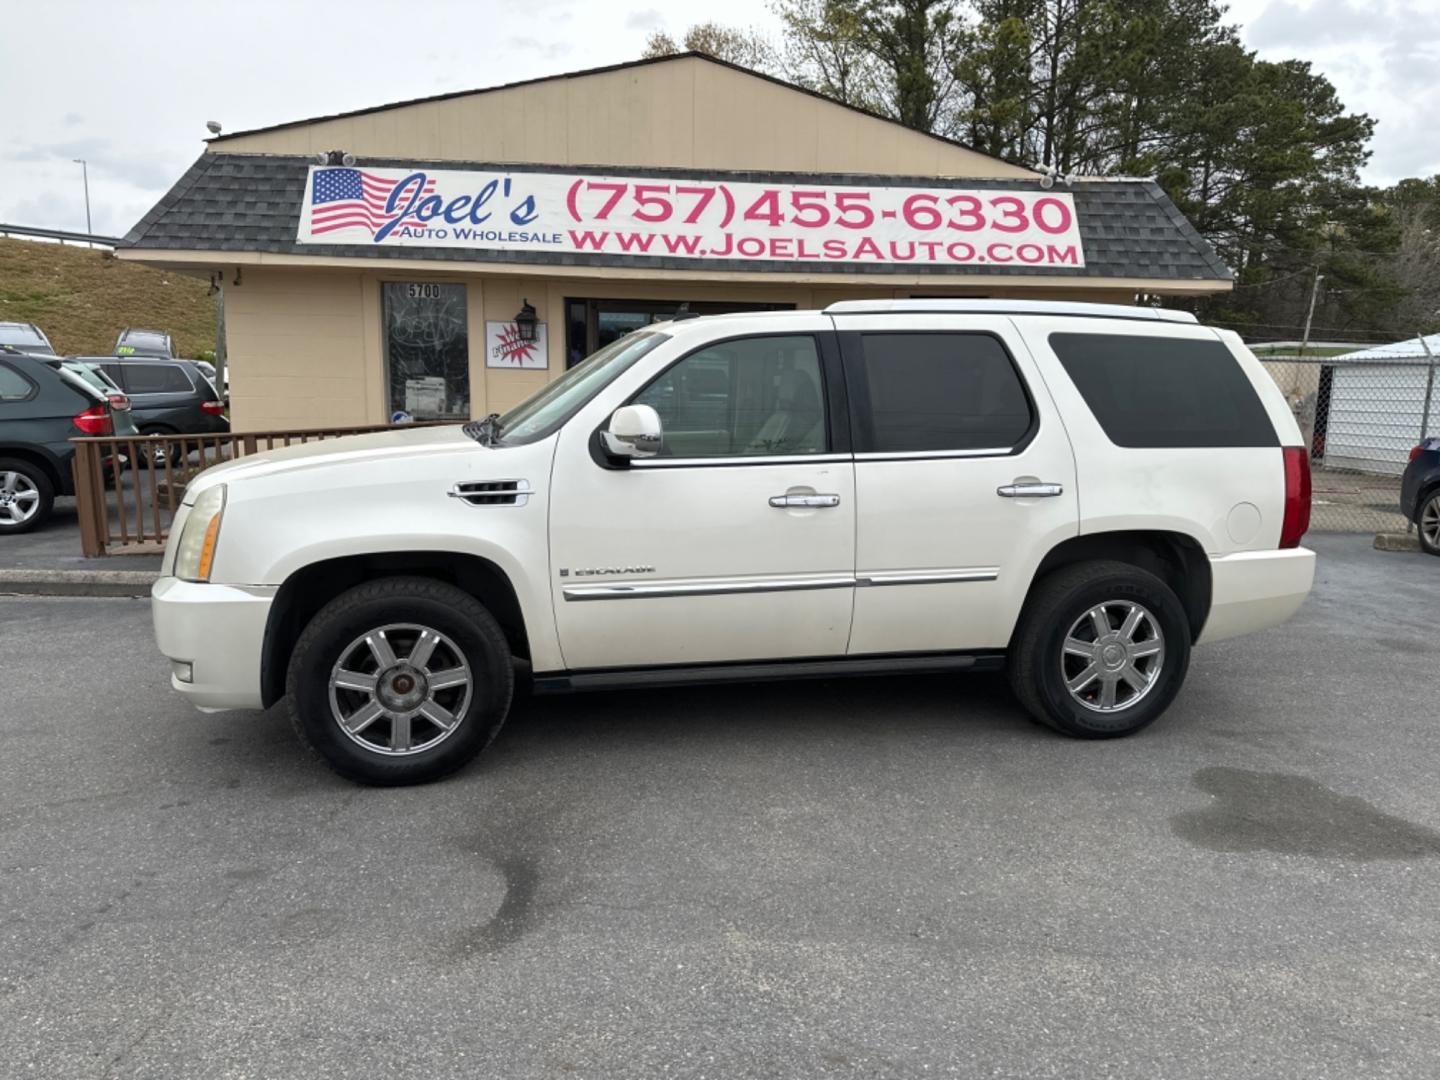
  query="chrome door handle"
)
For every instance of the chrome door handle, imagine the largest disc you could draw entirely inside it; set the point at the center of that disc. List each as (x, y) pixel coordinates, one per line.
(1034, 490)
(782, 502)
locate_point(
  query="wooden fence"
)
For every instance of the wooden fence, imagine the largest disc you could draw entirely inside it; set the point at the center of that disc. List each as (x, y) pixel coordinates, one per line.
(127, 488)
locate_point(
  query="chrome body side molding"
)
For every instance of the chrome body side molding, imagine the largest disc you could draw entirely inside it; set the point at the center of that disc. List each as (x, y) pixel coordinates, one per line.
(639, 590)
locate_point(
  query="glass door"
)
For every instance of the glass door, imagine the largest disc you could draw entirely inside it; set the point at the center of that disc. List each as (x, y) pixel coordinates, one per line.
(427, 350)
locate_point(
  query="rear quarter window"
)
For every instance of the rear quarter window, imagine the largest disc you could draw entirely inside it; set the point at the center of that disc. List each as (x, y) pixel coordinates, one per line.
(1160, 392)
(13, 385)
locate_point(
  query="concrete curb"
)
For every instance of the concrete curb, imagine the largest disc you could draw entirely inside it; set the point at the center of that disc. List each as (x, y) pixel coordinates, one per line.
(1396, 541)
(76, 582)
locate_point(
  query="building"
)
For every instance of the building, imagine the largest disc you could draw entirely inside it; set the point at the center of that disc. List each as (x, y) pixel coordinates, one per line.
(375, 262)
(1376, 405)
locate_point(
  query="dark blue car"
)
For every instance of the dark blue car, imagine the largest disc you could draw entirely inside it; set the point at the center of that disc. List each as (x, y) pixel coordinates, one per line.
(1420, 493)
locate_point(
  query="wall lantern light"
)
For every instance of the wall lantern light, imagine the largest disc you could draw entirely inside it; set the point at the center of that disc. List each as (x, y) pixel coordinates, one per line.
(526, 324)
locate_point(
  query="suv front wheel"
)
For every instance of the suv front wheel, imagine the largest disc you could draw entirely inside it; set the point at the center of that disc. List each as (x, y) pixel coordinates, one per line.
(1101, 650)
(400, 681)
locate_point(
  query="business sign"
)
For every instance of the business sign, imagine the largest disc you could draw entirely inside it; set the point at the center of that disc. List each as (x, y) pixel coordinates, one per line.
(505, 349)
(635, 217)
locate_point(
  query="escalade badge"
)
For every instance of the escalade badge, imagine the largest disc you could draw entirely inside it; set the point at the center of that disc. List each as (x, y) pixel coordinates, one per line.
(608, 571)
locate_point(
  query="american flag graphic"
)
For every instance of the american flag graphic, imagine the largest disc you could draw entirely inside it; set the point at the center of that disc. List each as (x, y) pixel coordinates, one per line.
(352, 198)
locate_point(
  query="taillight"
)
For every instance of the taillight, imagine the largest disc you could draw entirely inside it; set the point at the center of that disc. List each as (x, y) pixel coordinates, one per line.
(1297, 496)
(119, 403)
(214, 408)
(95, 421)
(1417, 451)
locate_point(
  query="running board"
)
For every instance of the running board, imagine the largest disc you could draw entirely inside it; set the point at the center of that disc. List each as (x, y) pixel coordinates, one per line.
(767, 671)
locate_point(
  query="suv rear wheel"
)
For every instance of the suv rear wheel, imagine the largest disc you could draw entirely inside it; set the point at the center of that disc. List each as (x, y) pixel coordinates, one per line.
(1101, 650)
(400, 681)
(26, 496)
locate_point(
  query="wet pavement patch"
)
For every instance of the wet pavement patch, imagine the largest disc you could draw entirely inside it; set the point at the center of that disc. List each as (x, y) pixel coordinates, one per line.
(1294, 815)
(516, 914)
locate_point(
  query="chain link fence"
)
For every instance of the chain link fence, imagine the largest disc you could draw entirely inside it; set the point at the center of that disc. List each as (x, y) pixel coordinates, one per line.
(1360, 418)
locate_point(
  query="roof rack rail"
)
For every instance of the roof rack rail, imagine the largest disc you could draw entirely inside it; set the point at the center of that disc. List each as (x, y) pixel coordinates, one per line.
(1072, 308)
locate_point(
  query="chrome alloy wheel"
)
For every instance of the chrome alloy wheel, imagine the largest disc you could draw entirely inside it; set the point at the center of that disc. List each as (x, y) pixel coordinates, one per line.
(1430, 521)
(19, 498)
(400, 689)
(1112, 656)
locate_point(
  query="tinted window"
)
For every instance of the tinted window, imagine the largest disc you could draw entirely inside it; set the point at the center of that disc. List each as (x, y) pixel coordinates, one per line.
(751, 396)
(941, 392)
(13, 385)
(157, 379)
(1164, 392)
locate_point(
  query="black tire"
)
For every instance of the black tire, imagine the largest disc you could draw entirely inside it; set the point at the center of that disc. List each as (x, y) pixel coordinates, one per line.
(30, 477)
(460, 618)
(1037, 658)
(1429, 504)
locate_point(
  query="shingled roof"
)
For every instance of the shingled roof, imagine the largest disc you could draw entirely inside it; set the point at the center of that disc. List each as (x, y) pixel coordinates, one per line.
(252, 202)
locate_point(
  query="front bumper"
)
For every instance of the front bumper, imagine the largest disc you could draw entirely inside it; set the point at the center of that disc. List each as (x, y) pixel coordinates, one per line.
(218, 630)
(1255, 590)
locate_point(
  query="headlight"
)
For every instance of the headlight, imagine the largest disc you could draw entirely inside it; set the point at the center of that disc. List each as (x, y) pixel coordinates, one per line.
(196, 551)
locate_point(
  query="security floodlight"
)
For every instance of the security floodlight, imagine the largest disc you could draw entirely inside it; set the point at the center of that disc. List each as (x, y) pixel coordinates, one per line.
(212, 126)
(347, 159)
(322, 158)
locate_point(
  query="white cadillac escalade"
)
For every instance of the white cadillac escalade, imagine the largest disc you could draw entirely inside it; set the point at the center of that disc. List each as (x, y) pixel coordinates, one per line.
(1079, 493)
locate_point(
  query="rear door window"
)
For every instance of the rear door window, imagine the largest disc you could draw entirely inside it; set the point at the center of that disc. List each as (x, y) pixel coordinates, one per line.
(933, 392)
(1158, 392)
(157, 379)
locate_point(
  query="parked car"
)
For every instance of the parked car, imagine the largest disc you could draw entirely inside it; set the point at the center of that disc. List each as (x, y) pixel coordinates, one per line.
(43, 405)
(1420, 493)
(25, 336)
(167, 397)
(1074, 492)
(144, 343)
(94, 374)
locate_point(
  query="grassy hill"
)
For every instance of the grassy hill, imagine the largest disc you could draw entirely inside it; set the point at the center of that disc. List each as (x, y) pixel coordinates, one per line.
(82, 298)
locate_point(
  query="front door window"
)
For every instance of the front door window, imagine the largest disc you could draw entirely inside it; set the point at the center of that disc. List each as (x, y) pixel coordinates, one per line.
(752, 396)
(427, 350)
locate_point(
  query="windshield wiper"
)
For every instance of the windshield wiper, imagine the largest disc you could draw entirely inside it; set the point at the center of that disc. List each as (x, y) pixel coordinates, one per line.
(486, 431)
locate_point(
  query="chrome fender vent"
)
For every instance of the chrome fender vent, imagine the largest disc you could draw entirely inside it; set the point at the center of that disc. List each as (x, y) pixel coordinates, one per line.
(493, 492)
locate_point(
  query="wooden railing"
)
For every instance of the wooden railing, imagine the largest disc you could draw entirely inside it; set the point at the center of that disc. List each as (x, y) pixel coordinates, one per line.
(127, 487)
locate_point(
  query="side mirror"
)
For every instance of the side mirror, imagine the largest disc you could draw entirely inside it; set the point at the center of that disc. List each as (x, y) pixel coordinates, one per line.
(634, 432)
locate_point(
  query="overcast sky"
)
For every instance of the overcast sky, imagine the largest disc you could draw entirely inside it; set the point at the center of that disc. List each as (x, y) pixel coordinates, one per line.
(129, 84)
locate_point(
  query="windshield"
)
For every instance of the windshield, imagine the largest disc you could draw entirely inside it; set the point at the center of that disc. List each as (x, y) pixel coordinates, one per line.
(541, 414)
(23, 337)
(142, 343)
(91, 374)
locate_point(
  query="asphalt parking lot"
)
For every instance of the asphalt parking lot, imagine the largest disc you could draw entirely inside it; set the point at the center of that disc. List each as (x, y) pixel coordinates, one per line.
(878, 878)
